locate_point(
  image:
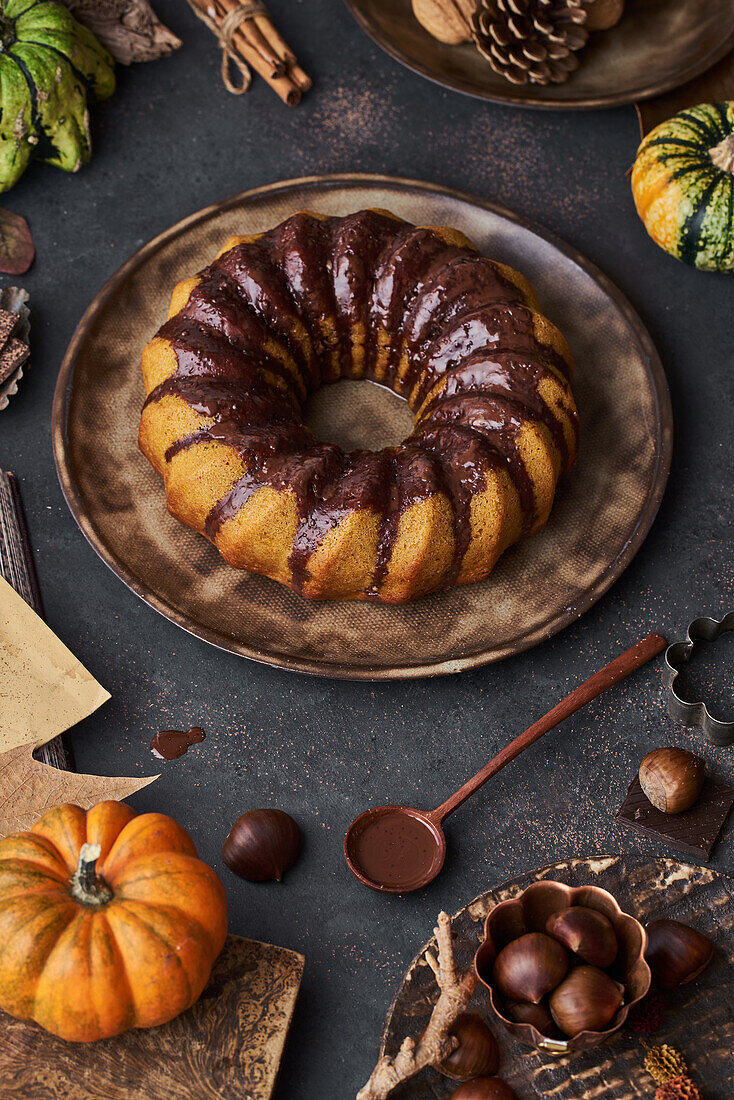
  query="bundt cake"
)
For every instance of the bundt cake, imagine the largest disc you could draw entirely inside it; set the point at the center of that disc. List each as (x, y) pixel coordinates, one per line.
(370, 296)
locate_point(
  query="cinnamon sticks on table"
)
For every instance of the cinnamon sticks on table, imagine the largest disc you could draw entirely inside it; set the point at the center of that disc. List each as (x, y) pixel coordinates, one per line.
(248, 40)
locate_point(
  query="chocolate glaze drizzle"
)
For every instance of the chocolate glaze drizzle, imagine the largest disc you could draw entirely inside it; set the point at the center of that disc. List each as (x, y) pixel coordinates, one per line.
(367, 296)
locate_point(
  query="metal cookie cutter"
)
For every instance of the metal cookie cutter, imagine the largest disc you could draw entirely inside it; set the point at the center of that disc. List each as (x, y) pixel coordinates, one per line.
(677, 656)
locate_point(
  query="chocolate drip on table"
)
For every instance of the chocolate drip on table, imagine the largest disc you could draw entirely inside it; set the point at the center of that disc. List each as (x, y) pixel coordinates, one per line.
(170, 744)
(363, 296)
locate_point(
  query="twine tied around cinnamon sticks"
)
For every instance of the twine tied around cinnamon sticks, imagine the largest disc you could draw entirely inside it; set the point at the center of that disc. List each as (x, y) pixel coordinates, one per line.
(248, 39)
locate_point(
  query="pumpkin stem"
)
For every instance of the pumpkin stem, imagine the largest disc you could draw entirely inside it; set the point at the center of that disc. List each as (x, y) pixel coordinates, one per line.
(723, 154)
(86, 885)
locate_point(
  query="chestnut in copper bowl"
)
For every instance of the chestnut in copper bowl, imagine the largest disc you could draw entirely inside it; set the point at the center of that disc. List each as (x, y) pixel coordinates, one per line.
(549, 963)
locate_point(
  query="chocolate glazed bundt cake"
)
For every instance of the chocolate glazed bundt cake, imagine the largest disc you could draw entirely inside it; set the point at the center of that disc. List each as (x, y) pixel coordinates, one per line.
(366, 296)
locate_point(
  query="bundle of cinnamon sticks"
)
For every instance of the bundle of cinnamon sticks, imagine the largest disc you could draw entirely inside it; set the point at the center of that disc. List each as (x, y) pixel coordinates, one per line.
(249, 40)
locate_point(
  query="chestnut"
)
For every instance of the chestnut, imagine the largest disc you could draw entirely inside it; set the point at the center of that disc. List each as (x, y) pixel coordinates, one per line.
(525, 1012)
(675, 953)
(484, 1088)
(262, 845)
(585, 931)
(586, 1000)
(672, 779)
(529, 967)
(477, 1052)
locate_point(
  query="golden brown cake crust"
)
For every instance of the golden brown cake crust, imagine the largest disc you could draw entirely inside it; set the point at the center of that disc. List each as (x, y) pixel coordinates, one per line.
(316, 299)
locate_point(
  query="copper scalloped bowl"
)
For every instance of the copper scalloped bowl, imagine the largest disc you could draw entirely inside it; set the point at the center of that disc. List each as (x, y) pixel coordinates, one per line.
(528, 912)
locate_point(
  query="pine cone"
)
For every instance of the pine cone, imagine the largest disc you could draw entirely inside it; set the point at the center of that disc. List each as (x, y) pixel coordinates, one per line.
(679, 1088)
(530, 41)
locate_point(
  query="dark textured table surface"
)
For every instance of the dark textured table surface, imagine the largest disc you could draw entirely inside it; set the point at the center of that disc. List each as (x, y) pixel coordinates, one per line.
(172, 141)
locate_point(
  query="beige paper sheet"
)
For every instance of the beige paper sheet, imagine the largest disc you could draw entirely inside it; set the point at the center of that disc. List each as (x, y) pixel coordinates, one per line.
(43, 687)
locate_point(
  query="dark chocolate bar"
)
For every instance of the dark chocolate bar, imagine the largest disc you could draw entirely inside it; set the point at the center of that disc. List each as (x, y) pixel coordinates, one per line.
(12, 355)
(8, 322)
(694, 831)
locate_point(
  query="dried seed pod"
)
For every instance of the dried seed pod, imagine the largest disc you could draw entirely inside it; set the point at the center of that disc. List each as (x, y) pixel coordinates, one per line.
(477, 1053)
(586, 1000)
(529, 967)
(672, 779)
(678, 1088)
(675, 953)
(645, 1017)
(585, 931)
(262, 845)
(664, 1063)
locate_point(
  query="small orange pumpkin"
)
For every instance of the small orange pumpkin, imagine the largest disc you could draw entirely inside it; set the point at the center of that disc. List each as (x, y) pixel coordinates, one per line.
(108, 921)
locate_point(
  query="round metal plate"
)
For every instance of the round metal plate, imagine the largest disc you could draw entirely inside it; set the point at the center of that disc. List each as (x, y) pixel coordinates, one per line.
(602, 512)
(657, 45)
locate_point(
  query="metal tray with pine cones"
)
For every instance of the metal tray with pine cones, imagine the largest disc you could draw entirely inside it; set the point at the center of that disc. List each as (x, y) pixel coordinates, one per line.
(546, 54)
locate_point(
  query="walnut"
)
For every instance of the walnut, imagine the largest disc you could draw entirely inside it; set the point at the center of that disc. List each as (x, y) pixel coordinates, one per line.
(447, 20)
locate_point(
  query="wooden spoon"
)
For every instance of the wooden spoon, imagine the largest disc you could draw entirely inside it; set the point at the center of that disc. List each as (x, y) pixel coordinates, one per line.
(397, 849)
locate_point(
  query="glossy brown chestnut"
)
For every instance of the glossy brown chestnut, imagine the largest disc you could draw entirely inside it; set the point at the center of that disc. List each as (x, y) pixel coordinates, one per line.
(586, 1000)
(484, 1088)
(477, 1053)
(262, 845)
(525, 1012)
(675, 953)
(672, 779)
(587, 932)
(529, 967)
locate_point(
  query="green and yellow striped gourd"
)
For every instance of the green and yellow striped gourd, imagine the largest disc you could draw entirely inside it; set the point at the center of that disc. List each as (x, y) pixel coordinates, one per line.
(683, 186)
(49, 64)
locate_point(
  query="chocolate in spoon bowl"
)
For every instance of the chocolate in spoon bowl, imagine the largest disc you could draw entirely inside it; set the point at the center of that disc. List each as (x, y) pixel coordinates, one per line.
(395, 849)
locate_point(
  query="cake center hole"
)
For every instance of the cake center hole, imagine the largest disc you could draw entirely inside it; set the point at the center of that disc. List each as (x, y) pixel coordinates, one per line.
(358, 415)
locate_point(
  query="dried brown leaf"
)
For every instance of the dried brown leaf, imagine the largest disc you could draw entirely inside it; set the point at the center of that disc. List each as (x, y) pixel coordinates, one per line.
(16, 244)
(129, 29)
(28, 789)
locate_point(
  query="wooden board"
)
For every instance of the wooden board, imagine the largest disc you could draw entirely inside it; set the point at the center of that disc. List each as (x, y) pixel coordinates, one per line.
(699, 1018)
(228, 1045)
(712, 87)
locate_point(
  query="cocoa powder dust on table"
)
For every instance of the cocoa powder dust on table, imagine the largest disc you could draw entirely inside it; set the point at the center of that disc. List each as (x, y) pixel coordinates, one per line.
(170, 744)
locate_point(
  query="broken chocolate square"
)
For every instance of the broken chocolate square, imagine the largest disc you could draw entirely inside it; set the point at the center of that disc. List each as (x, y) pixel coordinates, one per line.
(8, 322)
(12, 355)
(694, 831)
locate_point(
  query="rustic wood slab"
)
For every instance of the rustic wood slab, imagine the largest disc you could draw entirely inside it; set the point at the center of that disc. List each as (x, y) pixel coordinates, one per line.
(228, 1045)
(713, 86)
(699, 1018)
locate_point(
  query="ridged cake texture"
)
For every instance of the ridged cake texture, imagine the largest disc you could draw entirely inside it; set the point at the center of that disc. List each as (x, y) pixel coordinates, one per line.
(417, 309)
